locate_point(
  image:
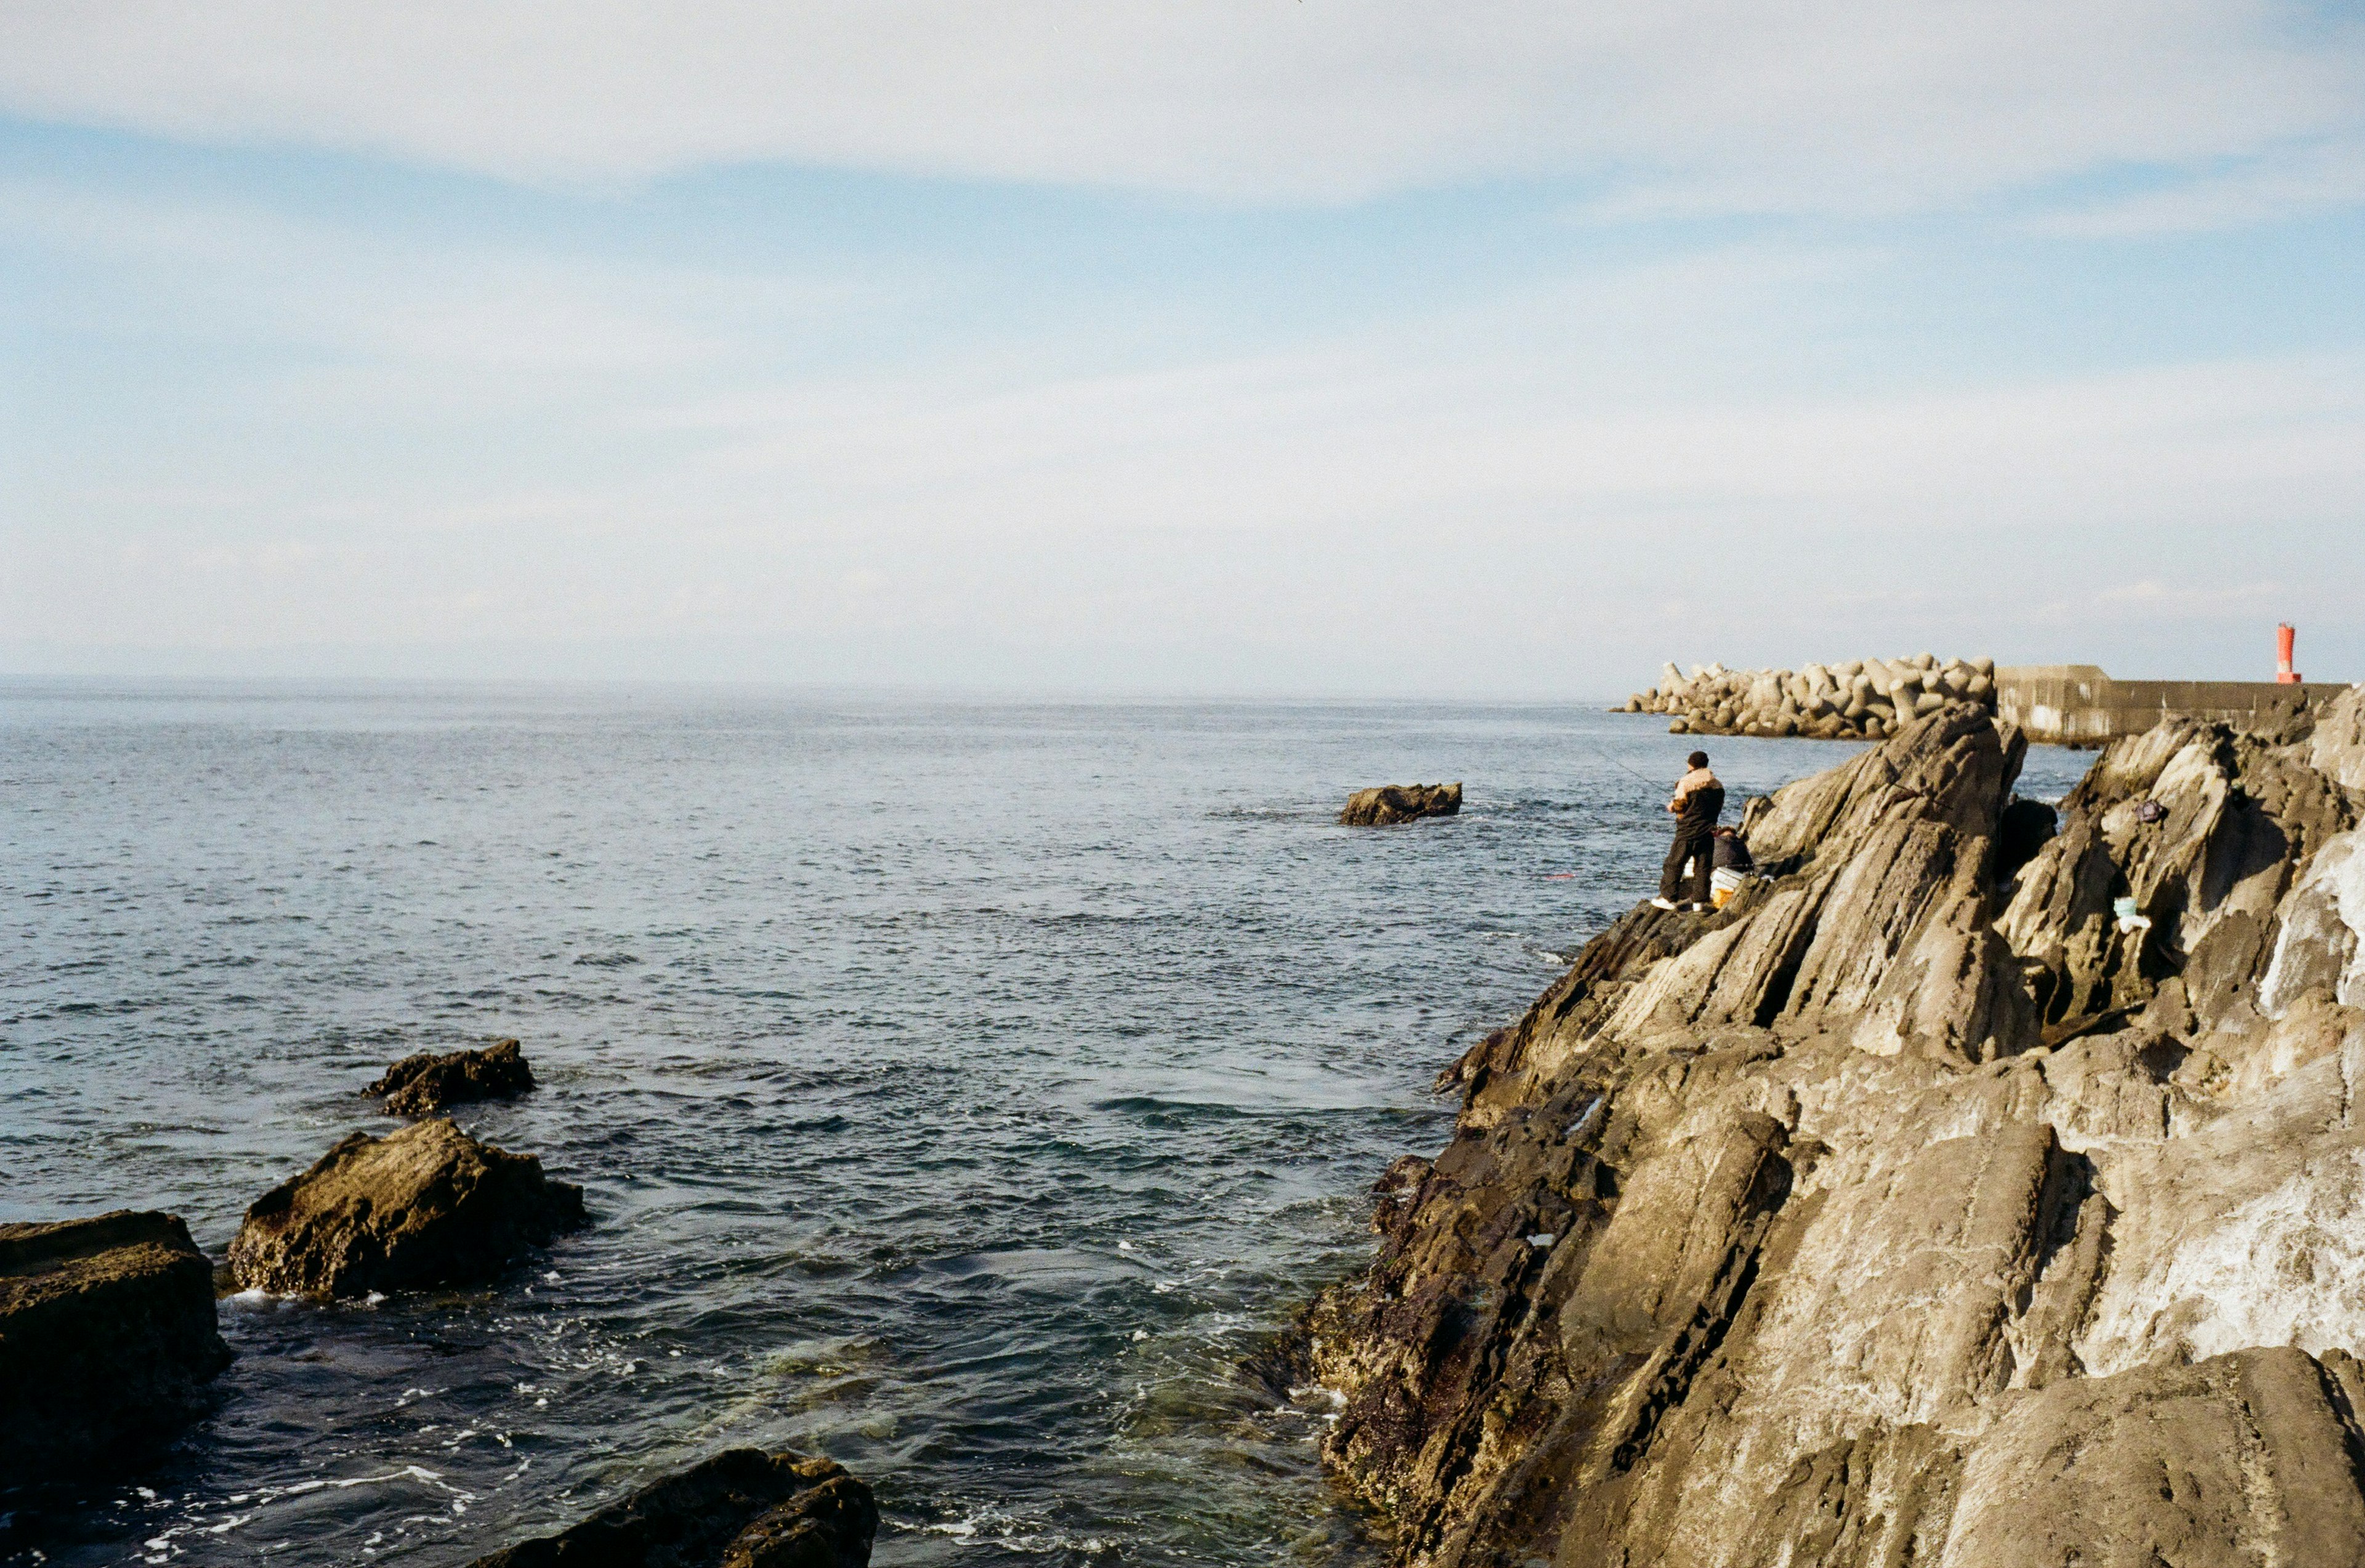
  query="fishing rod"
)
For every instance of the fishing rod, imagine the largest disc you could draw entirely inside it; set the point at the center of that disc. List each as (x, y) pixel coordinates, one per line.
(1646, 783)
(1604, 755)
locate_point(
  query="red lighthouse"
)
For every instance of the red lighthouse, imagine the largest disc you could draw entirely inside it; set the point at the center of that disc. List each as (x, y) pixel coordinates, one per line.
(2284, 674)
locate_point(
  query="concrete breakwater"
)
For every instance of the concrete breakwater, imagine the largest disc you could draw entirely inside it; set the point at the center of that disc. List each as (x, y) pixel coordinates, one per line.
(1861, 699)
(2079, 704)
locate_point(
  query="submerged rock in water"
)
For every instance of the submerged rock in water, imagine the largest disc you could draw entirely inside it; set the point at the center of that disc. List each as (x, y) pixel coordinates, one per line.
(424, 1206)
(742, 1508)
(1393, 803)
(423, 1084)
(1903, 1212)
(107, 1340)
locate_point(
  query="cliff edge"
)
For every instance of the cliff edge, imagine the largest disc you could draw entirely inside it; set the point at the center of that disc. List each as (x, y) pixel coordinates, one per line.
(1906, 1213)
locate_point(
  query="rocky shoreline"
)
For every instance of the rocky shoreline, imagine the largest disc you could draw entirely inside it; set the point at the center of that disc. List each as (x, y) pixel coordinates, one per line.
(1965, 1192)
(1916, 1207)
(109, 1331)
(1861, 699)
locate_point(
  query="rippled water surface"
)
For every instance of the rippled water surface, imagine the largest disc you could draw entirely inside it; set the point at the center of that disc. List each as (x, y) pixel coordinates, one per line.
(961, 1090)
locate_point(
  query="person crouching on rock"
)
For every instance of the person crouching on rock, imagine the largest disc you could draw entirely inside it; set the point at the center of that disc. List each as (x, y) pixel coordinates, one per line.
(1699, 800)
(1729, 852)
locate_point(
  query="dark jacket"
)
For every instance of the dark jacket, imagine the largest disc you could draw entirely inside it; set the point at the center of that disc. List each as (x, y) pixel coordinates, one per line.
(1701, 809)
(1732, 855)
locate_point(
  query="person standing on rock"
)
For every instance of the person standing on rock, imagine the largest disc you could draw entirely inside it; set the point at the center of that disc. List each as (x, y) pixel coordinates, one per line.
(1699, 802)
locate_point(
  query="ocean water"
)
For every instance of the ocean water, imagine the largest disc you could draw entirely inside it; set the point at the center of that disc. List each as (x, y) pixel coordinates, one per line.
(961, 1090)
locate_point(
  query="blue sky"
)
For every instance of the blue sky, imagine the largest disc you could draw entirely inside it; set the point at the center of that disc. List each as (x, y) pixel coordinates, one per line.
(1222, 347)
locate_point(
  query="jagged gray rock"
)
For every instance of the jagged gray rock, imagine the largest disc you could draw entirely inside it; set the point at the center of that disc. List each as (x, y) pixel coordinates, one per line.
(1906, 1210)
(2337, 749)
(2238, 822)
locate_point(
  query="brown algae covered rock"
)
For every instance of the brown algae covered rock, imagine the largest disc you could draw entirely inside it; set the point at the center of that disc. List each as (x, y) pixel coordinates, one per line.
(107, 1340)
(422, 1206)
(742, 1508)
(1393, 803)
(423, 1084)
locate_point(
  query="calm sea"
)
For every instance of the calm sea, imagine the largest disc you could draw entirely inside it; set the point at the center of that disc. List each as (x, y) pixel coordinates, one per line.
(961, 1089)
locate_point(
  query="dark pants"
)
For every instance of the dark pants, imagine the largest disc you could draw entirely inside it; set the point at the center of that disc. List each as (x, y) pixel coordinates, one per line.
(1699, 849)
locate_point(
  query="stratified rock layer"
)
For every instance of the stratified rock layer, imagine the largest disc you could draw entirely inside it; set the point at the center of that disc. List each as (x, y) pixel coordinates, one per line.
(107, 1340)
(424, 1206)
(1393, 803)
(742, 1508)
(1898, 1214)
(423, 1084)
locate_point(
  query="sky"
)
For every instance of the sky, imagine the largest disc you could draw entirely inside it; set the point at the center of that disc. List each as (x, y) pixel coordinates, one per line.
(1277, 348)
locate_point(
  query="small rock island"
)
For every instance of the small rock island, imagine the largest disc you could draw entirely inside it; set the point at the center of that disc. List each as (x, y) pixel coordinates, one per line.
(1393, 803)
(423, 1084)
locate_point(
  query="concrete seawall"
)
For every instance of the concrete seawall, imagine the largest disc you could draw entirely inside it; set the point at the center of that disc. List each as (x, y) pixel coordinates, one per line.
(2079, 704)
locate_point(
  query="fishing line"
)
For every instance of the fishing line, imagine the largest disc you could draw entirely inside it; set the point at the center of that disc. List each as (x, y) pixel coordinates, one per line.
(1598, 750)
(1651, 784)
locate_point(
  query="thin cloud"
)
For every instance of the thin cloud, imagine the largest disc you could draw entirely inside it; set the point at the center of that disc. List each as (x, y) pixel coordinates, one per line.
(442, 305)
(2151, 596)
(1714, 105)
(2297, 182)
(270, 422)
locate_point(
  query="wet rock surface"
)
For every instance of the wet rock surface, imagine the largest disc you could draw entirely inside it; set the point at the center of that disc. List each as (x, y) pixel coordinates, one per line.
(1916, 1207)
(107, 1339)
(1393, 803)
(422, 1206)
(423, 1084)
(742, 1508)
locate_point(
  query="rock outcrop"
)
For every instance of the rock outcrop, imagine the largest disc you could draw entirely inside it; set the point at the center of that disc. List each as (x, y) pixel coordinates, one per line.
(742, 1508)
(2336, 744)
(1915, 1207)
(1393, 803)
(424, 1206)
(2231, 823)
(107, 1339)
(1861, 699)
(425, 1084)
